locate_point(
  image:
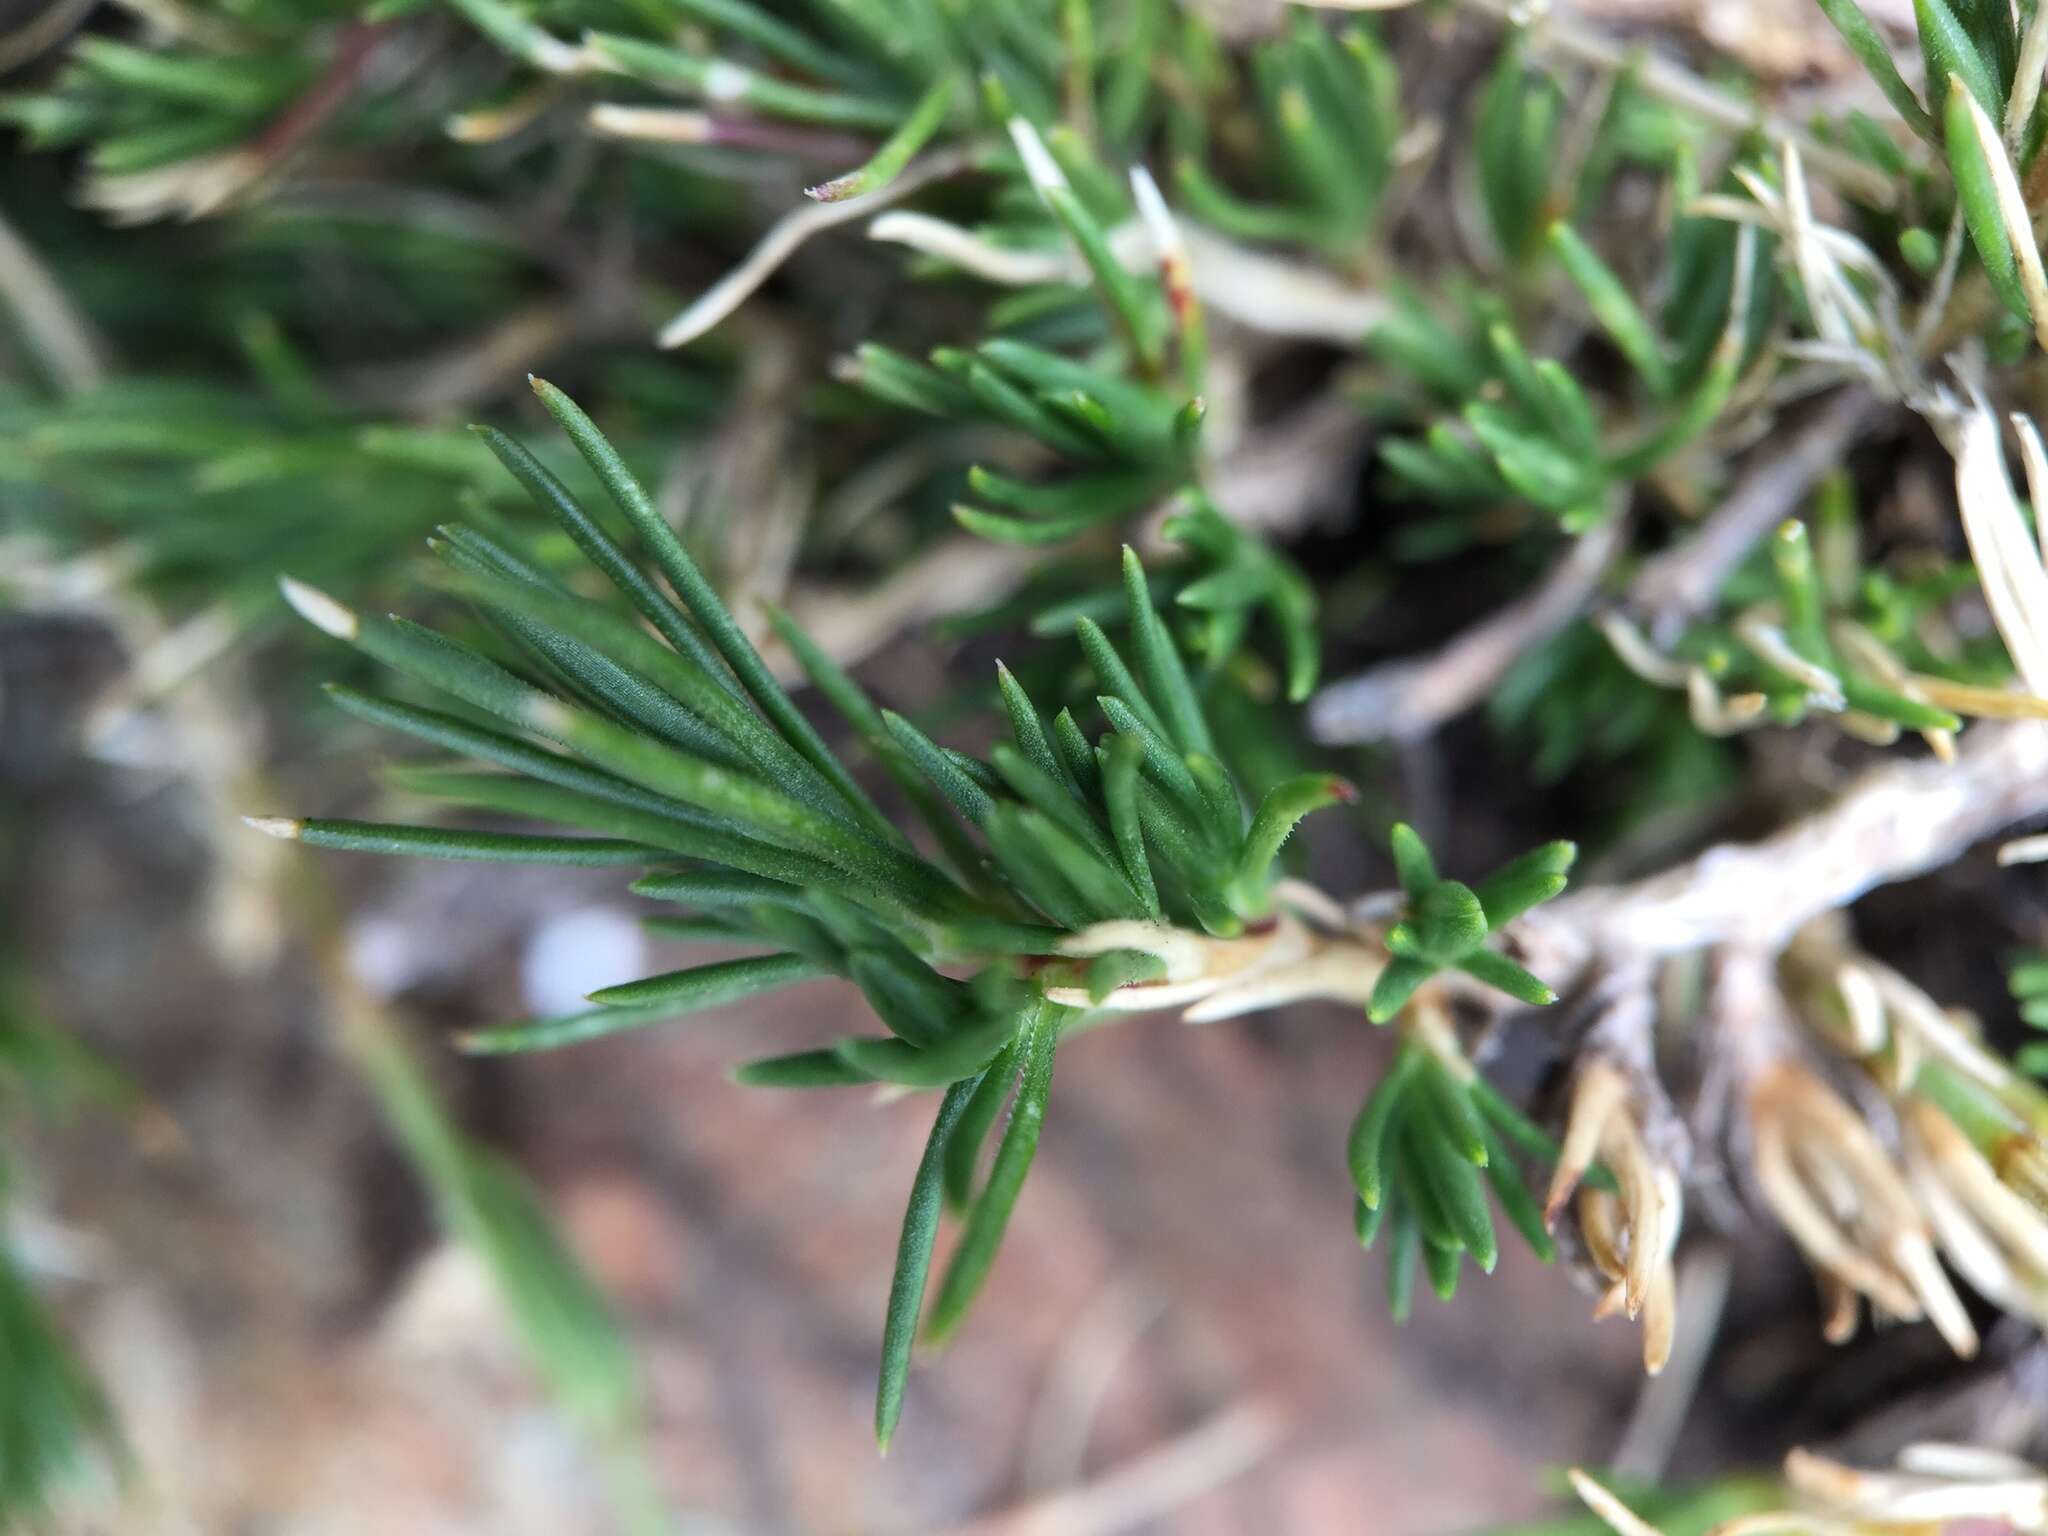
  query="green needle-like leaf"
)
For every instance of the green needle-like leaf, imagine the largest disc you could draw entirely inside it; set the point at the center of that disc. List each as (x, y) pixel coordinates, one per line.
(1448, 921)
(441, 843)
(1875, 55)
(1113, 675)
(1459, 1191)
(1613, 308)
(604, 552)
(1524, 882)
(1278, 815)
(966, 796)
(1027, 726)
(708, 986)
(1455, 1118)
(1516, 1202)
(1404, 1252)
(801, 1069)
(1977, 195)
(1122, 759)
(990, 1215)
(1159, 665)
(1413, 866)
(1367, 1147)
(702, 601)
(1950, 51)
(1499, 972)
(963, 1147)
(1442, 1266)
(913, 1263)
(1396, 985)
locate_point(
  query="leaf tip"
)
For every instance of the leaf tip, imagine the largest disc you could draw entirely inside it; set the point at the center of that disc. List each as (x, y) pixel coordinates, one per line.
(285, 827)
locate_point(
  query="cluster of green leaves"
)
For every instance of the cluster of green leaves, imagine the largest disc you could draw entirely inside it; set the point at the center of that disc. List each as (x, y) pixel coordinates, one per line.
(1445, 923)
(1127, 446)
(1433, 1134)
(912, 74)
(681, 752)
(1533, 166)
(249, 425)
(136, 108)
(1971, 56)
(1122, 427)
(1329, 104)
(692, 763)
(1814, 581)
(1526, 430)
(1423, 1150)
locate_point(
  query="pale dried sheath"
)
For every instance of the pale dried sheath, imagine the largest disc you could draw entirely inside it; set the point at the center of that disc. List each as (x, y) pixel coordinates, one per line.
(2034, 459)
(789, 232)
(494, 124)
(1635, 652)
(1596, 1095)
(1717, 715)
(650, 125)
(1768, 642)
(2015, 1223)
(2026, 79)
(1866, 1031)
(1005, 265)
(2008, 563)
(1826, 1244)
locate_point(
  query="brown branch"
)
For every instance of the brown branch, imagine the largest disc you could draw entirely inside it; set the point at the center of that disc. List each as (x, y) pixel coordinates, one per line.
(1410, 698)
(328, 93)
(1892, 824)
(1681, 583)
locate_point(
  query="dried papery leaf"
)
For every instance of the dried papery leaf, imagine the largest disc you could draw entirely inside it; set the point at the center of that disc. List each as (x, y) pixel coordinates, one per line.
(1831, 1186)
(2016, 1224)
(2009, 563)
(1597, 1093)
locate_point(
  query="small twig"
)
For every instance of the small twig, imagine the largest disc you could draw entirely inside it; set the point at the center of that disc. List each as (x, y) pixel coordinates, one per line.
(1149, 1486)
(1678, 585)
(1261, 291)
(328, 93)
(61, 335)
(789, 233)
(1410, 698)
